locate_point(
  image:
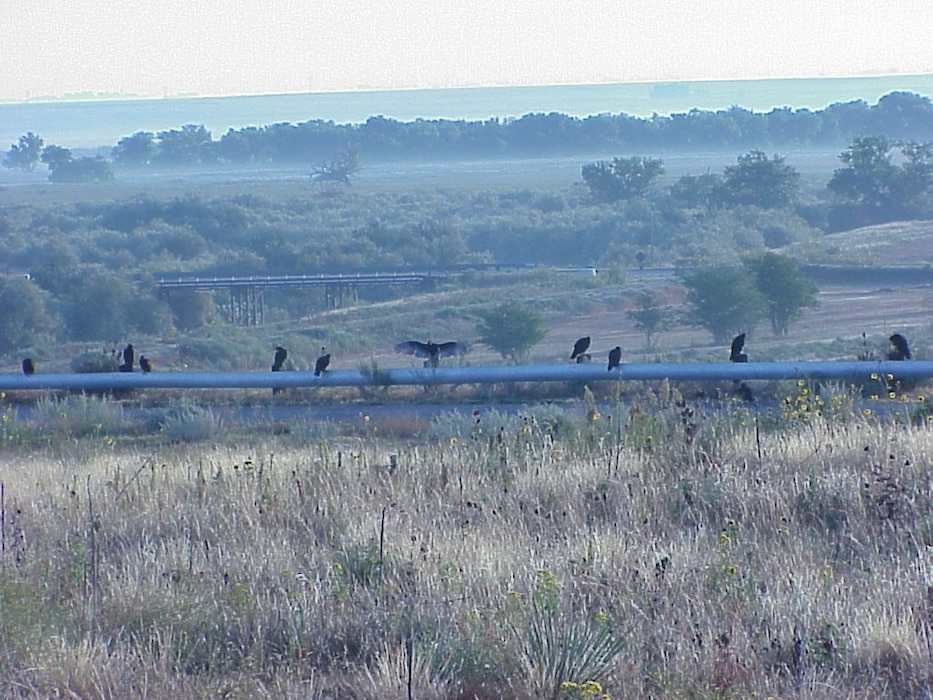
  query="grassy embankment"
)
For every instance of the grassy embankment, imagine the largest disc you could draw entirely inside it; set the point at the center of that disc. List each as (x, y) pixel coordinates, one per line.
(654, 552)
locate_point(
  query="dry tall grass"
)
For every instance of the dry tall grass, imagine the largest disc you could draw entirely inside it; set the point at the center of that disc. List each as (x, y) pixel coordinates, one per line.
(657, 553)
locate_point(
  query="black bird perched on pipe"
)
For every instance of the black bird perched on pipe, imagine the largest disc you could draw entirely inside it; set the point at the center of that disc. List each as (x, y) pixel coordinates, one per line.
(129, 358)
(736, 354)
(432, 351)
(901, 350)
(322, 363)
(281, 354)
(144, 364)
(615, 357)
(580, 347)
(28, 367)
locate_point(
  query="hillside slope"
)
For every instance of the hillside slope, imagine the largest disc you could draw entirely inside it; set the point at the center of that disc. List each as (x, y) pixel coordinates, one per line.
(895, 243)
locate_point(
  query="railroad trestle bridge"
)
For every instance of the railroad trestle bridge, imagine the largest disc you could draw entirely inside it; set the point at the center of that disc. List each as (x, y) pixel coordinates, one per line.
(245, 304)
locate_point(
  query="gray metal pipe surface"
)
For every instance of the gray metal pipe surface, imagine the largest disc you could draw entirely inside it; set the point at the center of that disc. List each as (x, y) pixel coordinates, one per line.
(849, 370)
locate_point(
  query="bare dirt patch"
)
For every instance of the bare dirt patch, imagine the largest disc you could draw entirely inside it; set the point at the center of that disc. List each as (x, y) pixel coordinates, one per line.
(843, 315)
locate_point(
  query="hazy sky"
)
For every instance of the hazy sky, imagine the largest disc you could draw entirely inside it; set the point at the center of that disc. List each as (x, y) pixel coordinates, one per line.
(217, 47)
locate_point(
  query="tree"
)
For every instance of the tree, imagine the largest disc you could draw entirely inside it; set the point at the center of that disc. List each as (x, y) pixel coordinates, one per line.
(186, 146)
(339, 170)
(85, 169)
(873, 188)
(24, 319)
(55, 266)
(650, 318)
(916, 176)
(25, 154)
(725, 300)
(190, 308)
(511, 330)
(64, 168)
(869, 173)
(55, 156)
(97, 307)
(786, 290)
(761, 181)
(134, 151)
(622, 178)
(697, 191)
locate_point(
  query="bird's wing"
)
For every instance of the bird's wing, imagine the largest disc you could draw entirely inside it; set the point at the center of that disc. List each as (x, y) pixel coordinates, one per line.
(413, 347)
(449, 349)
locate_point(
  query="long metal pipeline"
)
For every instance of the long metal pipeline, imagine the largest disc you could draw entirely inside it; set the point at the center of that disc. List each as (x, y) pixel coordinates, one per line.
(861, 371)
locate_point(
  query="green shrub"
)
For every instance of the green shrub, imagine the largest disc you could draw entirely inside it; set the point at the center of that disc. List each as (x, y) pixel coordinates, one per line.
(93, 362)
(184, 422)
(80, 415)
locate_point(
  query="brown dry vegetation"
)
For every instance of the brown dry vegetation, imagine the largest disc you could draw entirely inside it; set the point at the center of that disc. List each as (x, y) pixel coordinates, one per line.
(658, 551)
(893, 244)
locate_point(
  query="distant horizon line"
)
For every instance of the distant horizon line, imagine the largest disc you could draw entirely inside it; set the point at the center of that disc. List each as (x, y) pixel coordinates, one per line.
(110, 96)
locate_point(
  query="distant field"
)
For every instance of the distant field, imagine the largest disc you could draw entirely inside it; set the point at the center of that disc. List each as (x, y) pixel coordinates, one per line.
(533, 173)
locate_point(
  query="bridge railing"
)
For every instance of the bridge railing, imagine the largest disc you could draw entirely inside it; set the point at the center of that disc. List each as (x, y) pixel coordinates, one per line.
(374, 278)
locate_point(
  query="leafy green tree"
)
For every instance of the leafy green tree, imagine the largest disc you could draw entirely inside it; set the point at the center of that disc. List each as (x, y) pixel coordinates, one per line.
(147, 315)
(25, 154)
(64, 168)
(186, 146)
(786, 290)
(650, 318)
(191, 308)
(511, 330)
(24, 318)
(55, 266)
(916, 176)
(761, 181)
(622, 178)
(134, 151)
(179, 241)
(869, 174)
(55, 156)
(697, 191)
(725, 300)
(84, 169)
(96, 307)
(873, 188)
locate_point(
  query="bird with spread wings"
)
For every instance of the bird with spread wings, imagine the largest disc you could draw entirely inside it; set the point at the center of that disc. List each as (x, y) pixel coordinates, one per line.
(432, 351)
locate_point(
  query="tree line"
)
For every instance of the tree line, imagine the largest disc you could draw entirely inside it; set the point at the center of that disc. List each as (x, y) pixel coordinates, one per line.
(880, 180)
(897, 116)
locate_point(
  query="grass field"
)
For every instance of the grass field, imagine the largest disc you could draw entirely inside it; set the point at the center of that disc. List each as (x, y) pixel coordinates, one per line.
(655, 551)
